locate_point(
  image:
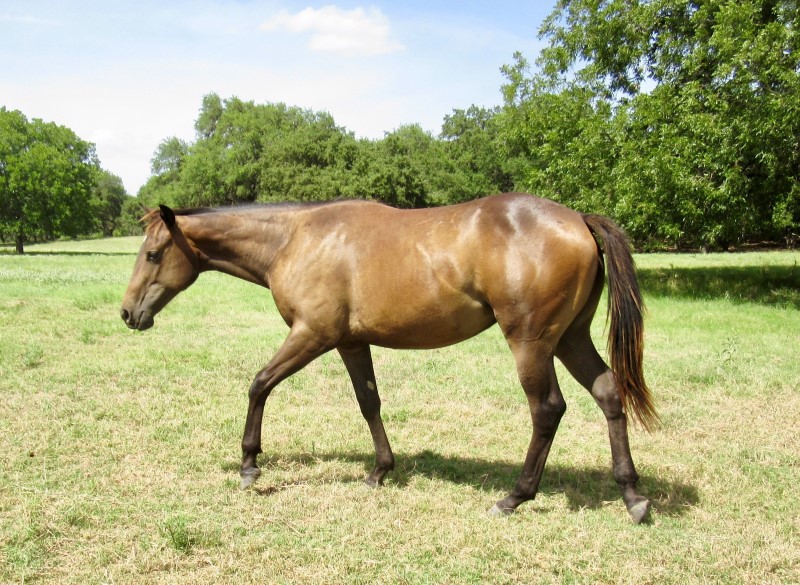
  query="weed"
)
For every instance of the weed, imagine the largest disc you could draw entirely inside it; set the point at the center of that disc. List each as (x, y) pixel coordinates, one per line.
(178, 534)
(32, 356)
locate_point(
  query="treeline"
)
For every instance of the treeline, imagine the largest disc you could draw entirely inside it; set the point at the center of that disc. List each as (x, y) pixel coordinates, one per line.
(679, 119)
(247, 152)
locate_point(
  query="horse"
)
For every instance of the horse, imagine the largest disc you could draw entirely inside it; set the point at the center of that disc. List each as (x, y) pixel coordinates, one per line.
(347, 275)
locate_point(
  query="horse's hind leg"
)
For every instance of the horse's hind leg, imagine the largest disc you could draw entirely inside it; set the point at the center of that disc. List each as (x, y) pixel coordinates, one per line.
(358, 362)
(538, 378)
(577, 352)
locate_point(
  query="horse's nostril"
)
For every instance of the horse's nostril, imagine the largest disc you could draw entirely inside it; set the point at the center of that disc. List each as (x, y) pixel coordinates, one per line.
(124, 314)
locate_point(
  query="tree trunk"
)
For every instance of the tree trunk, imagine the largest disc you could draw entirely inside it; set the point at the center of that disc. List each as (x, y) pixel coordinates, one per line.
(19, 242)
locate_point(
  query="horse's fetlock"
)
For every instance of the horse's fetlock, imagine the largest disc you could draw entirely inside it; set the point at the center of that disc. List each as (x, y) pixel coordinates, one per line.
(626, 477)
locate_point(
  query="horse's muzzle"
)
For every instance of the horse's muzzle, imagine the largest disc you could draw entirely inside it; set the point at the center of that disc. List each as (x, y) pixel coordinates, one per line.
(140, 323)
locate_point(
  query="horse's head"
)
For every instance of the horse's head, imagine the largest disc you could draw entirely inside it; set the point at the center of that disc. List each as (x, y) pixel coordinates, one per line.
(165, 266)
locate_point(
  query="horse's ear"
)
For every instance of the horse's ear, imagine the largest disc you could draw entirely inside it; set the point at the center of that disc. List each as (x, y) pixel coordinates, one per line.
(167, 216)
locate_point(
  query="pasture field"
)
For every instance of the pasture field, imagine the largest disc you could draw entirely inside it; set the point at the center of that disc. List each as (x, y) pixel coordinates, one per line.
(119, 450)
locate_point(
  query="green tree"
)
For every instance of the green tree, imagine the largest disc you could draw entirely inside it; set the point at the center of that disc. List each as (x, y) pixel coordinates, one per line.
(399, 169)
(474, 162)
(47, 175)
(698, 103)
(109, 196)
(165, 182)
(129, 222)
(272, 152)
(169, 156)
(257, 152)
(559, 139)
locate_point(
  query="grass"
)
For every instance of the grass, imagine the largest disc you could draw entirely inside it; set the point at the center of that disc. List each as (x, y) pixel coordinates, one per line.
(119, 451)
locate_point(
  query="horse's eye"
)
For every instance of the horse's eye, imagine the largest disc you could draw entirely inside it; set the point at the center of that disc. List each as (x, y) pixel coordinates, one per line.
(153, 256)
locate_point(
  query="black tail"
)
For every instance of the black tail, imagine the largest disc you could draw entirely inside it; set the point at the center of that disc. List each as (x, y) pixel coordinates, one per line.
(625, 307)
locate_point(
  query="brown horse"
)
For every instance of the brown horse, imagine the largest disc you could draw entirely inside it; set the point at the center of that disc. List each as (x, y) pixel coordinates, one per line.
(346, 275)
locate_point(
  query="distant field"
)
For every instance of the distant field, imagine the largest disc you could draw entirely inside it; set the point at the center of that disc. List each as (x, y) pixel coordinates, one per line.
(119, 451)
(105, 246)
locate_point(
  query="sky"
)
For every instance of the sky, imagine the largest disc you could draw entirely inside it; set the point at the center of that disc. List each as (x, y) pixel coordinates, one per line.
(127, 75)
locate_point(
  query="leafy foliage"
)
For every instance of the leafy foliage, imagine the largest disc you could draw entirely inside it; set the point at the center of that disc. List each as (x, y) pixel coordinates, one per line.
(47, 175)
(246, 152)
(109, 197)
(678, 118)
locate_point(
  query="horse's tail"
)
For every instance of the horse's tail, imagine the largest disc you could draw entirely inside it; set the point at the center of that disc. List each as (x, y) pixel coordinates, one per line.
(625, 307)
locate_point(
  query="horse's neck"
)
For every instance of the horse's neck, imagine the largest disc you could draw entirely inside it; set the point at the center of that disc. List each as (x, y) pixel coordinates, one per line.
(244, 245)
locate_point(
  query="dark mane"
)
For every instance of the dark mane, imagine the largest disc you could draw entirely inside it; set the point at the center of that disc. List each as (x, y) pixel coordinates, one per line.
(153, 216)
(194, 211)
(275, 205)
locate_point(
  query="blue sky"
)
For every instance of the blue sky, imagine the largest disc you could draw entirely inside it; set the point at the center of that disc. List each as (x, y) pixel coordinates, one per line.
(126, 75)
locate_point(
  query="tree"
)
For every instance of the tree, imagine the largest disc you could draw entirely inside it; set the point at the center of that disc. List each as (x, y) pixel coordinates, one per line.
(558, 139)
(129, 221)
(399, 167)
(698, 104)
(475, 163)
(246, 152)
(47, 175)
(169, 156)
(109, 196)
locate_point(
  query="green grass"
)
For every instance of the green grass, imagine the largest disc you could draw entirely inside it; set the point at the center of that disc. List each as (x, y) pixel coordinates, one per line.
(119, 451)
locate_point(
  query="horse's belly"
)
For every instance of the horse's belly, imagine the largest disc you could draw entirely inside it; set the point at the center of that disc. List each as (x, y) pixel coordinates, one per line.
(415, 327)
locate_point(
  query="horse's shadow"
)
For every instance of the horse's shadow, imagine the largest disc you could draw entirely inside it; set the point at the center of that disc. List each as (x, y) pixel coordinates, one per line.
(584, 488)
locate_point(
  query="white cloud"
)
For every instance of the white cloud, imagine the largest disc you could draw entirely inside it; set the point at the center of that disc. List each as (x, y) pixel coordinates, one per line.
(334, 30)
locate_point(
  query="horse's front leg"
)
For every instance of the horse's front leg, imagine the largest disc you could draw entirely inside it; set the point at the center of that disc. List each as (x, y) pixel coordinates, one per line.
(358, 362)
(299, 348)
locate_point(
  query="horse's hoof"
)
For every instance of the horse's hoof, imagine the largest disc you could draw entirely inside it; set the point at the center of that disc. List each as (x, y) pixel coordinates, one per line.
(249, 477)
(498, 511)
(639, 510)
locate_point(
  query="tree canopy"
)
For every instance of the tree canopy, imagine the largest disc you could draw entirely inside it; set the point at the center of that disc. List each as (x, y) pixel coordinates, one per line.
(247, 152)
(679, 118)
(47, 175)
(108, 198)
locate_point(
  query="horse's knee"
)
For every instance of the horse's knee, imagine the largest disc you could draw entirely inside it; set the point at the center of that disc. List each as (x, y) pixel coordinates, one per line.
(547, 415)
(556, 407)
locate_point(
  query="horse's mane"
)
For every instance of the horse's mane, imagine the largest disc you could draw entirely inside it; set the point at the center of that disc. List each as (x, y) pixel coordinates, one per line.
(153, 216)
